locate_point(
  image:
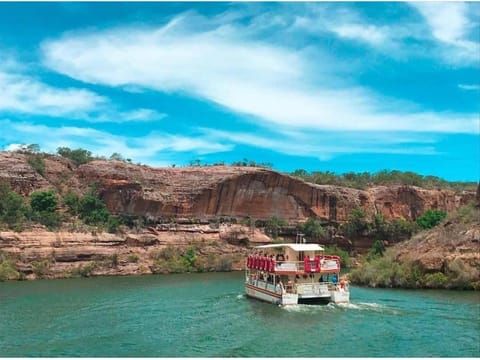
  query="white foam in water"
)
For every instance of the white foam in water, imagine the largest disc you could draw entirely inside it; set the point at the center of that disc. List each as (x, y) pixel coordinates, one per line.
(368, 307)
(241, 296)
(309, 308)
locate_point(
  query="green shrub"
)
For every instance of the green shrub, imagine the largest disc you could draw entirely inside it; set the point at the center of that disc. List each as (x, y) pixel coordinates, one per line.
(431, 218)
(461, 275)
(133, 258)
(43, 201)
(12, 208)
(435, 280)
(189, 258)
(377, 249)
(72, 201)
(400, 229)
(273, 226)
(174, 265)
(40, 268)
(37, 162)
(93, 211)
(113, 224)
(334, 250)
(357, 223)
(84, 271)
(314, 229)
(385, 272)
(167, 253)
(8, 271)
(51, 220)
(78, 156)
(468, 214)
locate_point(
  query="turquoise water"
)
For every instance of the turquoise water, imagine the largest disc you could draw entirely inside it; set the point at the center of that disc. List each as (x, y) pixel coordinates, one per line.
(207, 315)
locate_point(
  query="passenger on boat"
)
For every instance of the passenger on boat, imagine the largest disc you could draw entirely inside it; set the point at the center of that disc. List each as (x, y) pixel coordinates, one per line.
(334, 279)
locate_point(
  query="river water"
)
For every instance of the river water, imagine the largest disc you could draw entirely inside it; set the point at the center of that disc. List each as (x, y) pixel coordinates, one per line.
(207, 315)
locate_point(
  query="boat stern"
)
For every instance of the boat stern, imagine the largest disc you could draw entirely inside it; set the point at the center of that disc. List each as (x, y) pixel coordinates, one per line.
(340, 296)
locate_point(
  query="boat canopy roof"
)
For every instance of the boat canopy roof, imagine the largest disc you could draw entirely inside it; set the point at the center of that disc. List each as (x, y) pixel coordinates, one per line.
(294, 247)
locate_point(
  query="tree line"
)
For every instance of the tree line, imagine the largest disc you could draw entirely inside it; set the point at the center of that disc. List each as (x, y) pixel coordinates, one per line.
(355, 180)
(384, 177)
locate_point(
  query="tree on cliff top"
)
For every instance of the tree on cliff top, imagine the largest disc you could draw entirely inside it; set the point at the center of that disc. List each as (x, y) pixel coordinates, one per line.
(78, 156)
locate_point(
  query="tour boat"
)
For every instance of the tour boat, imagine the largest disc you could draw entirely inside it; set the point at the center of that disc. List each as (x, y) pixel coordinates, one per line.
(289, 274)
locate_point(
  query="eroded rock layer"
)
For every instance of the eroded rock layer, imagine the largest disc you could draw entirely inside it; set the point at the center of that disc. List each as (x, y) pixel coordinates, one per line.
(214, 191)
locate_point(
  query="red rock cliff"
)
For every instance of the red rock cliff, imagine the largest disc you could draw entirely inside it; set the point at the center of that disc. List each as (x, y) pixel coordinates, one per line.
(222, 191)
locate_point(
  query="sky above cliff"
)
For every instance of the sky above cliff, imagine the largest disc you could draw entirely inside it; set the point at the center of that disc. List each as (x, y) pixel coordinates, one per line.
(315, 86)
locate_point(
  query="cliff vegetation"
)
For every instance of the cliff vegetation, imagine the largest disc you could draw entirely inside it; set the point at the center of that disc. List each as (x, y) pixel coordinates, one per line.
(445, 256)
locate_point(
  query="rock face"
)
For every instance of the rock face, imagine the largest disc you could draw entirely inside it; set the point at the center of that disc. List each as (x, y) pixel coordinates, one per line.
(217, 191)
(453, 246)
(63, 253)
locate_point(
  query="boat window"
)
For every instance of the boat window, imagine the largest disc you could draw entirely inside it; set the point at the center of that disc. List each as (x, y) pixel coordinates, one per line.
(301, 256)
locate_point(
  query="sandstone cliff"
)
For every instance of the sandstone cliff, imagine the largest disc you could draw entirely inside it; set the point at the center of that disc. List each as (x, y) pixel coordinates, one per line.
(39, 253)
(216, 191)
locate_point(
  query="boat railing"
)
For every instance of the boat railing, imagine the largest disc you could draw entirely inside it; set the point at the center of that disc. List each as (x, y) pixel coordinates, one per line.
(314, 265)
(326, 265)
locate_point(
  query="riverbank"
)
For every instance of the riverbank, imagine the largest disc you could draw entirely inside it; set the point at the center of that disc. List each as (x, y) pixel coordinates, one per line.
(42, 254)
(447, 256)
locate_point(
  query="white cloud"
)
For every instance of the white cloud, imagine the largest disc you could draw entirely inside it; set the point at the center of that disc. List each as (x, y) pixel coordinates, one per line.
(147, 148)
(447, 20)
(15, 147)
(324, 145)
(469, 87)
(110, 115)
(271, 83)
(451, 25)
(26, 95)
(369, 34)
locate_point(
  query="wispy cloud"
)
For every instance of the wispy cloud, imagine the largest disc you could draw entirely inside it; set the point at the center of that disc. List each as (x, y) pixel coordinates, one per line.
(30, 96)
(149, 148)
(26, 94)
(331, 144)
(370, 34)
(469, 87)
(270, 82)
(451, 25)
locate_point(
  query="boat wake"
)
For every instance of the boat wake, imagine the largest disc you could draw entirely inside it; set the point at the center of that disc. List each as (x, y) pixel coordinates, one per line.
(368, 307)
(331, 307)
(303, 308)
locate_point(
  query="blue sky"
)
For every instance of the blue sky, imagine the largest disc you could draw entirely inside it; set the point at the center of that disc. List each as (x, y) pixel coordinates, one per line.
(315, 86)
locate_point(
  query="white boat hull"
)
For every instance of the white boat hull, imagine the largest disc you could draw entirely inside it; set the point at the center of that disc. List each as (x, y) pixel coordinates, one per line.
(263, 294)
(340, 296)
(275, 297)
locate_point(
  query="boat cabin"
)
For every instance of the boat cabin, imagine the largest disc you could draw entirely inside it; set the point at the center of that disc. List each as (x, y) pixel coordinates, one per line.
(303, 270)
